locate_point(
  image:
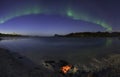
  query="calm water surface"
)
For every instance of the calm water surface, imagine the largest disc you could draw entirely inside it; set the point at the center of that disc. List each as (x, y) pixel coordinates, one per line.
(74, 50)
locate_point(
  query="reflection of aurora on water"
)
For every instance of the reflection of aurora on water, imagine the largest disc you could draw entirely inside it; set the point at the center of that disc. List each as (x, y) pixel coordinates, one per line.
(108, 42)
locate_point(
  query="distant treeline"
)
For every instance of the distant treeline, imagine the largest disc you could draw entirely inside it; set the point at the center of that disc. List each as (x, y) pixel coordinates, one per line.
(91, 34)
(11, 35)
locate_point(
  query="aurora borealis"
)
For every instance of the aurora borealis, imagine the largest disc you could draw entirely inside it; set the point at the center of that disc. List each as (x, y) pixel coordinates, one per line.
(91, 12)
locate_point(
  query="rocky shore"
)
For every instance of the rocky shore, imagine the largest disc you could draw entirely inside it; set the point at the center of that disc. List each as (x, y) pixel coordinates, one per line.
(15, 65)
(12, 65)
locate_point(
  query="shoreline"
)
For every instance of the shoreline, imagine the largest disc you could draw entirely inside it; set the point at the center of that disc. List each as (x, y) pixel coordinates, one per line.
(15, 65)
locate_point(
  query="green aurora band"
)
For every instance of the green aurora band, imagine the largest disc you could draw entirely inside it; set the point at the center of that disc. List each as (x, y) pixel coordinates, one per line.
(69, 13)
(87, 18)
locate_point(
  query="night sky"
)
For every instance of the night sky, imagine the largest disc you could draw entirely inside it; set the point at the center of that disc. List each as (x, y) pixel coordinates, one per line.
(49, 17)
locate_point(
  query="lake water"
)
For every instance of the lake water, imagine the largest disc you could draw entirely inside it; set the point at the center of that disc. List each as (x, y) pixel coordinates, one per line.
(74, 50)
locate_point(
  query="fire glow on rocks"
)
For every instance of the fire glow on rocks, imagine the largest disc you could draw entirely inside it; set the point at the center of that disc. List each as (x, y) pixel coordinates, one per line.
(66, 68)
(61, 66)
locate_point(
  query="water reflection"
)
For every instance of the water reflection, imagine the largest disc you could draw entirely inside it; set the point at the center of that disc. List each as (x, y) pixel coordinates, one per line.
(71, 49)
(108, 42)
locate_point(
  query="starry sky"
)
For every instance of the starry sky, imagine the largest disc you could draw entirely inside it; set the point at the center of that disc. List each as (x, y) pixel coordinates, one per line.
(49, 17)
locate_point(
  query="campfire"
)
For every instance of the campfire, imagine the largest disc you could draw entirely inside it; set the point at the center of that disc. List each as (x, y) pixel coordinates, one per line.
(66, 68)
(61, 66)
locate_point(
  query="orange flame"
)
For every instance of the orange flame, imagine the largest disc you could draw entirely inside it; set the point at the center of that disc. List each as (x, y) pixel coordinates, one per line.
(66, 68)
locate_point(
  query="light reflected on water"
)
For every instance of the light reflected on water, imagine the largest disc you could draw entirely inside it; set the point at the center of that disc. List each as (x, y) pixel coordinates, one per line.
(108, 42)
(71, 49)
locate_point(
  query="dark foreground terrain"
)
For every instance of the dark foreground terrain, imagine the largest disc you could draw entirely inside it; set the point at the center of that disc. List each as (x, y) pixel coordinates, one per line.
(13, 65)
